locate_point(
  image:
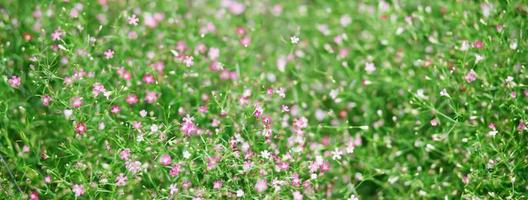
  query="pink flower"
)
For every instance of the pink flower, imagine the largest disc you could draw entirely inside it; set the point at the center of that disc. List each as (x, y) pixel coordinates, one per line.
(136, 125)
(34, 195)
(281, 92)
(133, 166)
(115, 109)
(148, 78)
(213, 53)
(258, 111)
(124, 154)
(78, 190)
(478, 44)
(285, 108)
(434, 122)
(14, 81)
(56, 35)
(109, 53)
(297, 195)
(47, 179)
(175, 170)
(131, 99)
(76, 102)
(236, 8)
(261, 185)
(471, 76)
(133, 20)
(245, 41)
(151, 97)
(46, 100)
(521, 126)
(212, 162)
(121, 180)
(80, 128)
(217, 184)
(97, 89)
(165, 159)
(188, 127)
(188, 61)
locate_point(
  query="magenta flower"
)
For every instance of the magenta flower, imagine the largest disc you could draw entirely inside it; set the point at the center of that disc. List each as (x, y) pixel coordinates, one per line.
(34, 195)
(80, 128)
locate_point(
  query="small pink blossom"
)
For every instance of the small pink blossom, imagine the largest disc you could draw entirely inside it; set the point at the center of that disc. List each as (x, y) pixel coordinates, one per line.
(131, 99)
(471, 76)
(121, 180)
(46, 100)
(521, 126)
(245, 41)
(261, 185)
(76, 102)
(217, 184)
(434, 122)
(151, 97)
(124, 154)
(56, 35)
(165, 159)
(478, 44)
(175, 170)
(133, 20)
(109, 53)
(258, 111)
(80, 128)
(14, 81)
(78, 190)
(148, 79)
(115, 109)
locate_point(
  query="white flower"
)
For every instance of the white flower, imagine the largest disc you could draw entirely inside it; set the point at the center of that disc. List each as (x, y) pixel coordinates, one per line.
(444, 93)
(265, 154)
(143, 113)
(336, 154)
(294, 39)
(493, 133)
(464, 46)
(240, 193)
(154, 128)
(68, 113)
(513, 45)
(186, 154)
(479, 58)
(353, 197)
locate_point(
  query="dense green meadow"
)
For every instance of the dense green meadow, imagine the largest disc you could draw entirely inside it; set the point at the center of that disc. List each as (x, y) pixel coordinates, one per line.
(263, 99)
